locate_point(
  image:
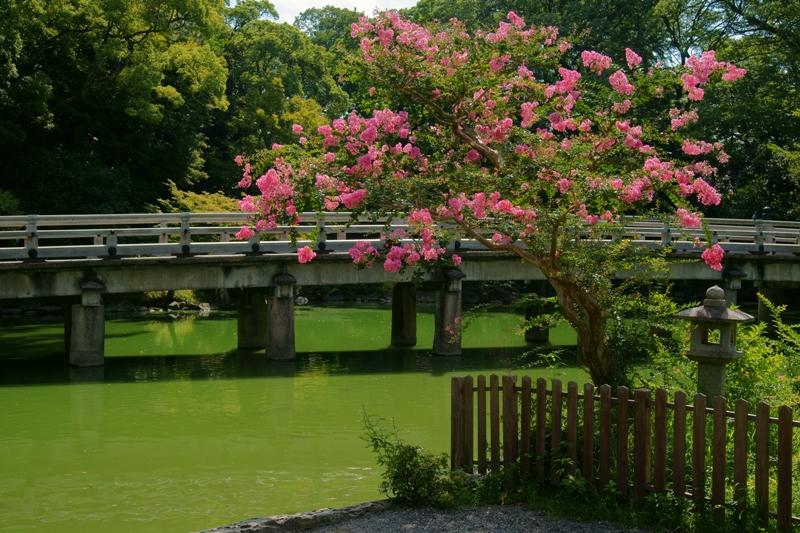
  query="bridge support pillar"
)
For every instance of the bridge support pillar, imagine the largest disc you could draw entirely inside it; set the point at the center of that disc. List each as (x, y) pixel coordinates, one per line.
(88, 328)
(252, 319)
(537, 334)
(404, 314)
(447, 314)
(280, 319)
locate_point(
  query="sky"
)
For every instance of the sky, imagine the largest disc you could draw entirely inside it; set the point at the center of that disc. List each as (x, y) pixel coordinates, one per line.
(289, 9)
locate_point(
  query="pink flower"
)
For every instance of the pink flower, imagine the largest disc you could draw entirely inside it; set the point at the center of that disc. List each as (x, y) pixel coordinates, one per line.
(239, 160)
(353, 199)
(297, 128)
(516, 20)
(619, 82)
(306, 254)
(472, 156)
(689, 220)
(595, 61)
(244, 234)
(456, 259)
(632, 58)
(713, 256)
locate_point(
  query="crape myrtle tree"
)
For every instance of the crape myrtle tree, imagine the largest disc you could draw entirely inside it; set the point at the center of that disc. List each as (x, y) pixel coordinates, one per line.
(507, 146)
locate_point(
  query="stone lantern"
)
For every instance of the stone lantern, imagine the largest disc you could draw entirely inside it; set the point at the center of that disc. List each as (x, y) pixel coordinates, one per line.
(713, 340)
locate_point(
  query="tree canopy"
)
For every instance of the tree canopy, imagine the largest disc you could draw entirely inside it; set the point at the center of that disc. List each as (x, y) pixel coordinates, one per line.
(513, 150)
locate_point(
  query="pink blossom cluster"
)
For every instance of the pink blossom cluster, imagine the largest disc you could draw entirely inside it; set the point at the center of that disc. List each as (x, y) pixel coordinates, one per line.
(619, 82)
(713, 256)
(363, 254)
(701, 67)
(689, 220)
(681, 119)
(595, 61)
(305, 254)
(632, 58)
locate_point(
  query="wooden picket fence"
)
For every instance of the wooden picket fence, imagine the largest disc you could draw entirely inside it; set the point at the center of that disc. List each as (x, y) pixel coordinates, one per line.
(600, 428)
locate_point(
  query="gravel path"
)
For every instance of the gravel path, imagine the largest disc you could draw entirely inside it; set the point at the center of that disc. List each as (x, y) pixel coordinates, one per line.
(489, 519)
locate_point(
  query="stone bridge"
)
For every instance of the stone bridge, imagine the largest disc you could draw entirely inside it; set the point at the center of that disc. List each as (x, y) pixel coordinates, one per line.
(91, 255)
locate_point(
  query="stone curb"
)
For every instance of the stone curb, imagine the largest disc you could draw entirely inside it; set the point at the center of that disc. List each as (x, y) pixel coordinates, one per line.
(301, 521)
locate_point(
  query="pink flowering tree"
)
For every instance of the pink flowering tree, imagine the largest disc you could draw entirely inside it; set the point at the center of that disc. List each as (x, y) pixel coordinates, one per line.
(499, 140)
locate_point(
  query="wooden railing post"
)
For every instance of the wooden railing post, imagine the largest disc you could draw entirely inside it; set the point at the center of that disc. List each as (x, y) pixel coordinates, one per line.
(588, 435)
(494, 421)
(718, 456)
(660, 442)
(740, 454)
(482, 424)
(468, 435)
(679, 445)
(699, 451)
(510, 429)
(525, 429)
(541, 427)
(572, 426)
(456, 422)
(785, 469)
(641, 444)
(605, 436)
(762, 460)
(555, 432)
(622, 441)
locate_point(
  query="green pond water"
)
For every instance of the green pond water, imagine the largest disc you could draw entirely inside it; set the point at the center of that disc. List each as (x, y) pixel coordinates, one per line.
(180, 431)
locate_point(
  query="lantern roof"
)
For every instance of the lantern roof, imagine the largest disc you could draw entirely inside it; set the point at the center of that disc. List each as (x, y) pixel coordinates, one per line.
(714, 309)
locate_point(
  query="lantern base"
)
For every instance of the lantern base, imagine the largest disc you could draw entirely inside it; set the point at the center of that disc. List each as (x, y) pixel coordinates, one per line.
(711, 379)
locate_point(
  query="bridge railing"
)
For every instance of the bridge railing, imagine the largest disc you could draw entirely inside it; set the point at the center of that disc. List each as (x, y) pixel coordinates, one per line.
(162, 234)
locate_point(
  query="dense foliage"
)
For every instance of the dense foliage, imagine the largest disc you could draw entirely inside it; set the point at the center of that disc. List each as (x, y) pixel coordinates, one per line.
(103, 103)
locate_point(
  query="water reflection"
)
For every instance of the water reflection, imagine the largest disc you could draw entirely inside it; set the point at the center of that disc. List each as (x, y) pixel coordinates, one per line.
(243, 364)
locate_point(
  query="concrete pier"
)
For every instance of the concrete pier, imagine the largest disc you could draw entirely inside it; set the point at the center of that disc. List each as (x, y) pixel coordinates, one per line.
(404, 314)
(88, 328)
(540, 288)
(252, 319)
(280, 319)
(447, 314)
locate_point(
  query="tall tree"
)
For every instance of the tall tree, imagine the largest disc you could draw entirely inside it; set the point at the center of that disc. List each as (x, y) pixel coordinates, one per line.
(101, 102)
(277, 77)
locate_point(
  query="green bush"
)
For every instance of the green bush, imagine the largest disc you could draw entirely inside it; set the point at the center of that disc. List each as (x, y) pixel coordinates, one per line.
(413, 475)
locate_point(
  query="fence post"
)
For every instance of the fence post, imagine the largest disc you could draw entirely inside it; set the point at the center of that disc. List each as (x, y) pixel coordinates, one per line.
(740, 453)
(762, 461)
(785, 469)
(482, 424)
(679, 446)
(718, 456)
(572, 426)
(622, 441)
(468, 396)
(555, 432)
(456, 422)
(525, 429)
(510, 430)
(660, 442)
(605, 436)
(588, 435)
(699, 451)
(641, 444)
(494, 421)
(541, 427)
